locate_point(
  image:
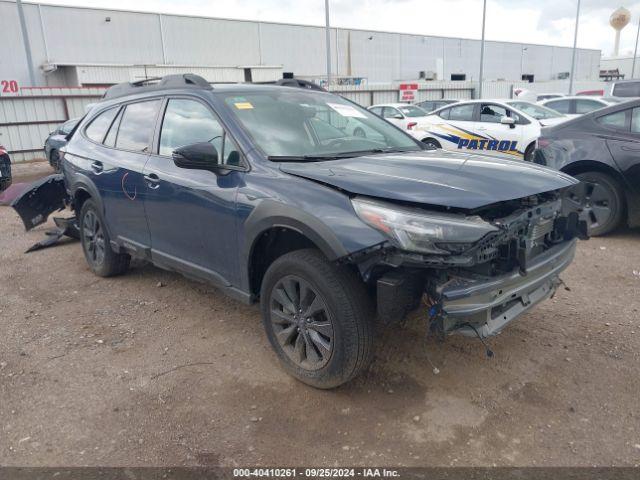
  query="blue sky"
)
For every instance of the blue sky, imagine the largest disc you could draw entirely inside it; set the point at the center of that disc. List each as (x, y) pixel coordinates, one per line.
(536, 21)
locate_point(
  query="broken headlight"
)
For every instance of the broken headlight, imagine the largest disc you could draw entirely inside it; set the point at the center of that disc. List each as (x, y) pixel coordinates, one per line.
(416, 230)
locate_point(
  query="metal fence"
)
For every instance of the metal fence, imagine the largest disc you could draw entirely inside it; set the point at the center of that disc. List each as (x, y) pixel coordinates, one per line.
(27, 118)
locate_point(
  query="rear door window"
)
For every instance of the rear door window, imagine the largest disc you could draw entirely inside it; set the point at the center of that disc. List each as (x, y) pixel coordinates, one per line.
(462, 112)
(616, 120)
(137, 125)
(98, 127)
(586, 106)
(562, 106)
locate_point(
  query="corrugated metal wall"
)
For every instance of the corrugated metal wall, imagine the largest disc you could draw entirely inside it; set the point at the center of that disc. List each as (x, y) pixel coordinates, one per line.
(27, 119)
(63, 35)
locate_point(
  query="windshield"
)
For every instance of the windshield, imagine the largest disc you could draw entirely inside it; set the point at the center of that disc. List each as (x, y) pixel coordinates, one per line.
(295, 124)
(536, 111)
(411, 111)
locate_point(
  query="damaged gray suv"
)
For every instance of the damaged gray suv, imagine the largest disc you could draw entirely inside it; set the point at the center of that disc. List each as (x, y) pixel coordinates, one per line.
(265, 192)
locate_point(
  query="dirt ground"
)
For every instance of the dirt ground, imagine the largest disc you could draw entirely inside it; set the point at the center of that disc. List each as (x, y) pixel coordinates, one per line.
(153, 369)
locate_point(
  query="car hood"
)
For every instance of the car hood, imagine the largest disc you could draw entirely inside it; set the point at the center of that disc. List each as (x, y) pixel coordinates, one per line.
(434, 178)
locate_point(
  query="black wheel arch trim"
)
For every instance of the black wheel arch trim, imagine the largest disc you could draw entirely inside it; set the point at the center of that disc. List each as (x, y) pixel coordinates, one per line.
(270, 214)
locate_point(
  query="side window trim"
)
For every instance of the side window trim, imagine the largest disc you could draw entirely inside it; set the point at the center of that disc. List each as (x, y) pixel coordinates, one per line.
(155, 149)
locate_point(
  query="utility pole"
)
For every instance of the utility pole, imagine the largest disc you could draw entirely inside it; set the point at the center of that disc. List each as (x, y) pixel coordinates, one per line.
(484, 16)
(575, 42)
(27, 45)
(635, 52)
(328, 33)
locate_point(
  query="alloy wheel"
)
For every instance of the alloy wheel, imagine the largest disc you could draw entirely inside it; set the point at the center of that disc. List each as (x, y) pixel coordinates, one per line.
(302, 323)
(93, 238)
(596, 201)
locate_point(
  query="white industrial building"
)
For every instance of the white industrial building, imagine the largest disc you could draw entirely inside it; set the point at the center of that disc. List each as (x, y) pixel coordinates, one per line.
(74, 46)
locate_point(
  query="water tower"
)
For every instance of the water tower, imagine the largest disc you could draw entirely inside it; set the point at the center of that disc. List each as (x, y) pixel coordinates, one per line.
(618, 20)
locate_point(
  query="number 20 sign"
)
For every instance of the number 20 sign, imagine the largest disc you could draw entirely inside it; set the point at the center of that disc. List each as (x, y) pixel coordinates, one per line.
(8, 86)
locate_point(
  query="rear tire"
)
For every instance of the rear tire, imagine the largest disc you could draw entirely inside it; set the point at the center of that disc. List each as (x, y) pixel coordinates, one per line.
(528, 153)
(318, 318)
(431, 142)
(96, 244)
(604, 200)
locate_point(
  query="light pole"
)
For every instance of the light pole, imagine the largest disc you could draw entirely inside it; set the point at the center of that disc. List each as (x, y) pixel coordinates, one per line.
(635, 52)
(484, 15)
(575, 42)
(328, 34)
(524, 49)
(27, 44)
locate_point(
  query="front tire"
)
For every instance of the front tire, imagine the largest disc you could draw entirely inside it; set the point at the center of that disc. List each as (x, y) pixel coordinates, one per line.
(318, 318)
(96, 244)
(603, 202)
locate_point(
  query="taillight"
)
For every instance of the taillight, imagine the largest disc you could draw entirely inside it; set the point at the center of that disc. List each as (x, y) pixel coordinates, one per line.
(411, 125)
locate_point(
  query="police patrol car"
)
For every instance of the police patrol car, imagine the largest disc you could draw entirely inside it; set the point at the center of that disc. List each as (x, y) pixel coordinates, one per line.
(501, 128)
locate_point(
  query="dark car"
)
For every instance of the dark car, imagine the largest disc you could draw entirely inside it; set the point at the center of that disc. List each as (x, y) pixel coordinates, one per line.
(431, 105)
(335, 236)
(5, 169)
(602, 149)
(56, 140)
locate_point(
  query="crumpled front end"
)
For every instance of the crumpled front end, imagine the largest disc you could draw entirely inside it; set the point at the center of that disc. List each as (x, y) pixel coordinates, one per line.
(475, 305)
(477, 289)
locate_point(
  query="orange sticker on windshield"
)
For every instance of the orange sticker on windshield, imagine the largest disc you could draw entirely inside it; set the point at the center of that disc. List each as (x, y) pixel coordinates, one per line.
(243, 105)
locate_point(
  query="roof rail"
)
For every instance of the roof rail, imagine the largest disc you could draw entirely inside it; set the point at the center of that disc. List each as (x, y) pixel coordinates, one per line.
(183, 80)
(299, 83)
(293, 82)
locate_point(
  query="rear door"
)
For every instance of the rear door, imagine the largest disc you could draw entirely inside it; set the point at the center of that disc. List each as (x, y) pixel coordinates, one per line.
(623, 140)
(123, 138)
(192, 213)
(453, 127)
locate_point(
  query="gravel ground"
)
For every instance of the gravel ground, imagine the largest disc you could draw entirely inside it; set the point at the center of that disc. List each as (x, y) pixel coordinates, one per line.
(153, 369)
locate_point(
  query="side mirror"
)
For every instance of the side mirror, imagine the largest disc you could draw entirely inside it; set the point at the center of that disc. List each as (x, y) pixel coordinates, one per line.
(398, 116)
(197, 156)
(508, 121)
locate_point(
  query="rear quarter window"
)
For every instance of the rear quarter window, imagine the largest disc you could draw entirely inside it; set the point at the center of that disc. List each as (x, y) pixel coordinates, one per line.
(98, 127)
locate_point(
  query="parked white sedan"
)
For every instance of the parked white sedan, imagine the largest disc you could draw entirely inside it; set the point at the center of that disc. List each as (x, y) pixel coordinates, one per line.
(580, 104)
(492, 127)
(407, 117)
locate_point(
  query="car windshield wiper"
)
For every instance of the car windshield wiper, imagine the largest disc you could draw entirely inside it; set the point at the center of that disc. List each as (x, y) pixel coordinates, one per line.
(333, 156)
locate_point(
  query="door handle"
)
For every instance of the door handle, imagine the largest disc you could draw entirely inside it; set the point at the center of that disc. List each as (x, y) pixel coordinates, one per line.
(97, 167)
(153, 181)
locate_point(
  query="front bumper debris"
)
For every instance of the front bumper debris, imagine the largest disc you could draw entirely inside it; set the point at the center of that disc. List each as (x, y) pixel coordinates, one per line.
(489, 304)
(40, 200)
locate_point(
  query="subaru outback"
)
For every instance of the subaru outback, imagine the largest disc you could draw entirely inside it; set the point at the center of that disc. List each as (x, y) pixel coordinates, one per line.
(261, 190)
